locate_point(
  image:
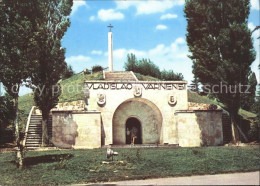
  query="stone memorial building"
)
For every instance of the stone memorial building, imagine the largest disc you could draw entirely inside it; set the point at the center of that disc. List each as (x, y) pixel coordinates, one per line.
(157, 111)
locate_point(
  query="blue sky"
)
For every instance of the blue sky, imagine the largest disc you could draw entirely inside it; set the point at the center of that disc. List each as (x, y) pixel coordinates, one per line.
(149, 29)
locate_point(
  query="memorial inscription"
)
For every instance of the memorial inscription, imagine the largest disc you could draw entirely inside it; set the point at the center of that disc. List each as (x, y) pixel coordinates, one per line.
(129, 86)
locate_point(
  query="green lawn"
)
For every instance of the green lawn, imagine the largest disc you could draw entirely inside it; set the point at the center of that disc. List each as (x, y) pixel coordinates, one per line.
(73, 86)
(141, 77)
(82, 166)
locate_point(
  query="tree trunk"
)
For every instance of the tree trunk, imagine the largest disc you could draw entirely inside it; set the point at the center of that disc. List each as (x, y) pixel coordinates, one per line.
(235, 132)
(45, 135)
(19, 154)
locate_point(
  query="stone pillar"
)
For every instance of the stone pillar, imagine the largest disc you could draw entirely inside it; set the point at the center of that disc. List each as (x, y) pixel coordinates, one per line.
(110, 52)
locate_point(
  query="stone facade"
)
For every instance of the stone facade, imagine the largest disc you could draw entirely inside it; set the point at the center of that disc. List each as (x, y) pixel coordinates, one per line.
(76, 129)
(199, 128)
(153, 97)
(160, 109)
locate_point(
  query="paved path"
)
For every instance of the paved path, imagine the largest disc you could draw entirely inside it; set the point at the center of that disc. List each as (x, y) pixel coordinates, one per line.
(248, 178)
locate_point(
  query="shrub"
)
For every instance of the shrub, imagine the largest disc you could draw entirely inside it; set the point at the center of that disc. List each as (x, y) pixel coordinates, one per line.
(170, 75)
(254, 132)
(131, 64)
(68, 72)
(97, 68)
(148, 68)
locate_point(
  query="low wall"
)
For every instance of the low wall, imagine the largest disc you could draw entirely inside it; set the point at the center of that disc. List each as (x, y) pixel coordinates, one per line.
(199, 128)
(76, 129)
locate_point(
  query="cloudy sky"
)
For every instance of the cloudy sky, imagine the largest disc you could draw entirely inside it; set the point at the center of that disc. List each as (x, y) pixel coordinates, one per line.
(149, 29)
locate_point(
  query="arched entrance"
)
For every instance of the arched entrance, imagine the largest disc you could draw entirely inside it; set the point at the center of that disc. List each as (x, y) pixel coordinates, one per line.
(147, 114)
(133, 131)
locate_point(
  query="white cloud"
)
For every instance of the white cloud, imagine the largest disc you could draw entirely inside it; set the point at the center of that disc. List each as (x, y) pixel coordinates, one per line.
(82, 62)
(109, 14)
(77, 4)
(251, 26)
(138, 54)
(149, 7)
(96, 52)
(172, 57)
(92, 18)
(78, 59)
(180, 40)
(255, 4)
(120, 54)
(161, 27)
(126, 4)
(169, 16)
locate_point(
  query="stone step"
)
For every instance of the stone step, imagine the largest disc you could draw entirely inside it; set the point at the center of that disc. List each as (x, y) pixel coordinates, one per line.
(35, 126)
(121, 75)
(36, 138)
(34, 135)
(33, 140)
(32, 145)
(32, 148)
(34, 129)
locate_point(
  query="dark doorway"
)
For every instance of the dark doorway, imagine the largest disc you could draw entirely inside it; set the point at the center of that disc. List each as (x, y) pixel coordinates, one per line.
(133, 131)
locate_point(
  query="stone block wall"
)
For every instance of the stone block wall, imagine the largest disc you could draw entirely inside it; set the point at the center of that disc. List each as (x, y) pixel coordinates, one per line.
(76, 129)
(78, 105)
(199, 128)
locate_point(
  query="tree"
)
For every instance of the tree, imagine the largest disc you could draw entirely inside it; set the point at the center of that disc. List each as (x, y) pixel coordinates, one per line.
(16, 53)
(68, 72)
(96, 68)
(7, 113)
(171, 76)
(131, 63)
(221, 48)
(255, 29)
(248, 98)
(52, 22)
(148, 68)
(143, 66)
(195, 84)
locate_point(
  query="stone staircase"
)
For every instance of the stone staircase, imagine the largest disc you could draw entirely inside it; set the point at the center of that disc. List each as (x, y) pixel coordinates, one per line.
(226, 127)
(120, 76)
(33, 138)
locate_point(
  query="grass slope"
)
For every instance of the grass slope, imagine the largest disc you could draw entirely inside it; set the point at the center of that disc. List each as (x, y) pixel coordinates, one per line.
(145, 78)
(71, 91)
(195, 97)
(82, 166)
(72, 88)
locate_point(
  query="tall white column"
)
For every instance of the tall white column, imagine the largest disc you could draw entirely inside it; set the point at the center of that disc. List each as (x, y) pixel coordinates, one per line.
(110, 52)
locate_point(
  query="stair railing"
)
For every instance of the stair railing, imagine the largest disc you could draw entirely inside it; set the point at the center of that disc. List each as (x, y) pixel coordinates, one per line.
(133, 74)
(28, 124)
